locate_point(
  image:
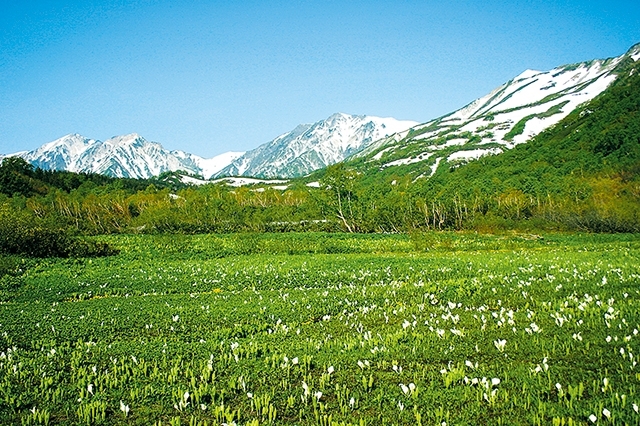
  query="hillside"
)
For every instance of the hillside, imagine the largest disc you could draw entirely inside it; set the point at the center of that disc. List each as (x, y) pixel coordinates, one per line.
(509, 116)
(583, 173)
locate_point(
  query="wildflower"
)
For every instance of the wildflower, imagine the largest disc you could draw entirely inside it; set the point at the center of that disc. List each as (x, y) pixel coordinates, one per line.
(124, 408)
(606, 413)
(405, 388)
(318, 395)
(500, 344)
(593, 418)
(330, 370)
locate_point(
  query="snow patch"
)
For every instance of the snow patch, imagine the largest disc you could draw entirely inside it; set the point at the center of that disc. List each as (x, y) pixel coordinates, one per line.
(379, 155)
(314, 184)
(451, 142)
(473, 154)
(404, 161)
(193, 181)
(434, 166)
(527, 74)
(241, 181)
(211, 166)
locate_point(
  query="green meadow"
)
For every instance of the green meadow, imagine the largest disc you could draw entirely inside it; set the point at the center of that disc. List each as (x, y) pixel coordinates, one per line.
(325, 329)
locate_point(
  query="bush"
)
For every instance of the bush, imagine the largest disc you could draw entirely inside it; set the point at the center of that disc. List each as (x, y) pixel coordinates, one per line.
(24, 234)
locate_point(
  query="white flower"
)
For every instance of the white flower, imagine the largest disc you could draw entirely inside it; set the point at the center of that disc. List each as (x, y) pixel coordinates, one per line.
(318, 395)
(294, 361)
(495, 381)
(203, 407)
(412, 387)
(500, 344)
(175, 318)
(90, 388)
(330, 370)
(400, 405)
(352, 402)
(635, 407)
(593, 418)
(606, 413)
(404, 388)
(124, 408)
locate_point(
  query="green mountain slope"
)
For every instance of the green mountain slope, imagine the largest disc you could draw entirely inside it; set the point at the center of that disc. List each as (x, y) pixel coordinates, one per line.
(511, 115)
(584, 171)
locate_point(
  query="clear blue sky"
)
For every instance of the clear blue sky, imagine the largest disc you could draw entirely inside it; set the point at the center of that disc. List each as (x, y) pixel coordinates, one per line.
(213, 76)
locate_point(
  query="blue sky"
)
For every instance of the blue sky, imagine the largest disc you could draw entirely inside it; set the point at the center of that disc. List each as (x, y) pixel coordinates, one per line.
(212, 76)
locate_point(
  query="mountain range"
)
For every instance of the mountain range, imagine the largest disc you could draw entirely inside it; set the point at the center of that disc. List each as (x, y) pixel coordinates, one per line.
(121, 156)
(306, 148)
(510, 115)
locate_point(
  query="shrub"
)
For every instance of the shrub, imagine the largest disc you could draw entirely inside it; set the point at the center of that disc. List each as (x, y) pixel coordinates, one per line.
(24, 234)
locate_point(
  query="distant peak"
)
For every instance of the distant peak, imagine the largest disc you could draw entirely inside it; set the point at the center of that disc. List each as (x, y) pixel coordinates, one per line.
(340, 115)
(73, 136)
(125, 139)
(131, 136)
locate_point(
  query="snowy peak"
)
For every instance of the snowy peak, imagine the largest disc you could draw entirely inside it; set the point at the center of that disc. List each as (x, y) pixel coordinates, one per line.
(511, 114)
(310, 147)
(128, 155)
(60, 154)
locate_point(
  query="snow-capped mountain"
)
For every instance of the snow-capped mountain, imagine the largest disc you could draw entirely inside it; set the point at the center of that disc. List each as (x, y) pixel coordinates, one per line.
(310, 147)
(306, 148)
(509, 115)
(121, 156)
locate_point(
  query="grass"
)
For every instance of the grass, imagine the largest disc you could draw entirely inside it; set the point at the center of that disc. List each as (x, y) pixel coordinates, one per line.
(328, 329)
